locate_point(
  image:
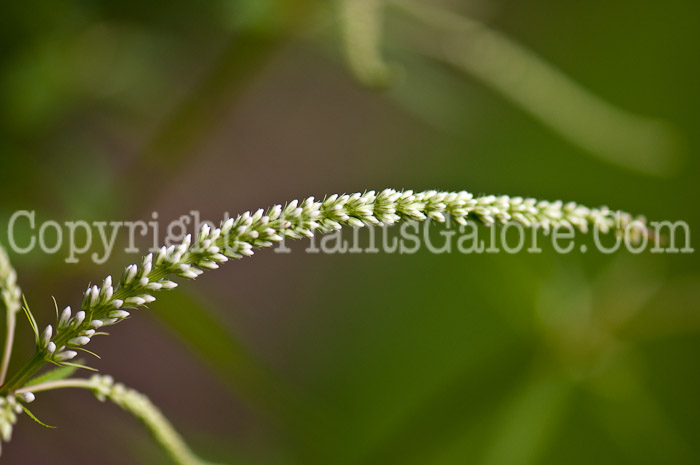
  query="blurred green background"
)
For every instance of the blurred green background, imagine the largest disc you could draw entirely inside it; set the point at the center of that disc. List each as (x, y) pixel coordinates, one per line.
(114, 110)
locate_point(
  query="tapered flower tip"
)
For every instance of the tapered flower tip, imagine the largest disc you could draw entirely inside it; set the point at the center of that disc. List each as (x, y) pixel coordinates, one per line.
(65, 316)
(79, 318)
(79, 341)
(46, 335)
(119, 314)
(66, 355)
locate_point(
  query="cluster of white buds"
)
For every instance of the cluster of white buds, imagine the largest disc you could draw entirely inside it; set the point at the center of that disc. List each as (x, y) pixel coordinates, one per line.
(104, 387)
(9, 409)
(10, 293)
(71, 332)
(239, 237)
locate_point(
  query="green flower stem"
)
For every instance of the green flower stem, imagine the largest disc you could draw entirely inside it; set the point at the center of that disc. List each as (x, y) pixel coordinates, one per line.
(20, 378)
(52, 385)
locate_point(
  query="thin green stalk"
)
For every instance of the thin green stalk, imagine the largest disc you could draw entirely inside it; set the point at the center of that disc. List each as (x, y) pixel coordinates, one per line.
(10, 323)
(135, 403)
(10, 295)
(60, 384)
(27, 371)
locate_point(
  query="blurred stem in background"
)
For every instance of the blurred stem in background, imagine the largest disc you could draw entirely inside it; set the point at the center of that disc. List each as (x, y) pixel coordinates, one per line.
(616, 136)
(361, 25)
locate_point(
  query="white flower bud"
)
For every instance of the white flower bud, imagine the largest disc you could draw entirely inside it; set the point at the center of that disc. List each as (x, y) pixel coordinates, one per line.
(79, 318)
(189, 274)
(226, 227)
(6, 431)
(65, 316)
(129, 274)
(79, 341)
(65, 355)
(120, 314)
(94, 296)
(107, 292)
(161, 255)
(135, 301)
(28, 397)
(46, 335)
(147, 265)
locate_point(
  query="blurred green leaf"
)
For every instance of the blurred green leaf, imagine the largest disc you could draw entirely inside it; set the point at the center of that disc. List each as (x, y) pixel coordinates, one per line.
(55, 374)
